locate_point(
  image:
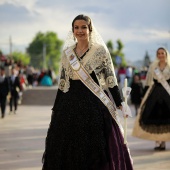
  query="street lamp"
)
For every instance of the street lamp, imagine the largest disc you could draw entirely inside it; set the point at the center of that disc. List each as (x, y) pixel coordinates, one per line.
(44, 55)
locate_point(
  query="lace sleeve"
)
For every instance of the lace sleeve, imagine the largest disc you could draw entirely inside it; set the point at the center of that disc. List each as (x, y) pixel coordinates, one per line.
(64, 83)
(115, 92)
(105, 72)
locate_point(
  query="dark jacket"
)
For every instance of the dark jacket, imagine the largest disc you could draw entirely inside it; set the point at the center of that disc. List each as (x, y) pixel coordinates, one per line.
(4, 88)
(15, 86)
(136, 93)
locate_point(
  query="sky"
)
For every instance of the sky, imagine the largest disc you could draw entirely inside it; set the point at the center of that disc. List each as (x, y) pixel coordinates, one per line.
(142, 25)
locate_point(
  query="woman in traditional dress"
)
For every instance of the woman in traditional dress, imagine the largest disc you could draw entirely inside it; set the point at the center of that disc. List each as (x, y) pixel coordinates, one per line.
(83, 135)
(153, 121)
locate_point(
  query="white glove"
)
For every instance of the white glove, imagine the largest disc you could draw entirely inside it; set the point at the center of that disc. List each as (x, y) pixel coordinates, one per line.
(126, 110)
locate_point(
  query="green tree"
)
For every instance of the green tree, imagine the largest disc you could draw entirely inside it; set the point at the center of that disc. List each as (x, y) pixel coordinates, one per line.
(119, 45)
(111, 50)
(116, 52)
(19, 56)
(45, 50)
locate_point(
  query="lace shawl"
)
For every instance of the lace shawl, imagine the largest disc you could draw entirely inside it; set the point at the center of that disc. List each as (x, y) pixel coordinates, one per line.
(151, 74)
(97, 59)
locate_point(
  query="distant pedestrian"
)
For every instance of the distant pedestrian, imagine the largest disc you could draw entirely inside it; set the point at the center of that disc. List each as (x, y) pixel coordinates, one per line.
(129, 74)
(15, 88)
(29, 74)
(4, 89)
(137, 91)
(122, 76)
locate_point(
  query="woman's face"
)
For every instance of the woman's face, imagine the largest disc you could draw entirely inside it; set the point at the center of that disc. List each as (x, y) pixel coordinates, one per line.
(136, 78)
(81, 30)
(161, 54)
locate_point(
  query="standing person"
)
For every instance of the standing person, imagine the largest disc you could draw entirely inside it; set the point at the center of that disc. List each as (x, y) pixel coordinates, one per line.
(29, 73)
(4, 89)
(136, 92)
(153, 121)
(122, 75)
(15, 88)
(129, 74)
(83, 134)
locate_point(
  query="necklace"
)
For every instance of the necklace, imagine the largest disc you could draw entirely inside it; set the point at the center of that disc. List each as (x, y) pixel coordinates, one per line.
(80, 53)
(162, 67)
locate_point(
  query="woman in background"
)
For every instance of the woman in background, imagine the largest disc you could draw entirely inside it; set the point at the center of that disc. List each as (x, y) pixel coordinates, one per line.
(153, 121)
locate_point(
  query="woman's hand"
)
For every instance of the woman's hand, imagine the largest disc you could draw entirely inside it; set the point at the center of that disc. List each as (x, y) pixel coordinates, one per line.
(121, 108)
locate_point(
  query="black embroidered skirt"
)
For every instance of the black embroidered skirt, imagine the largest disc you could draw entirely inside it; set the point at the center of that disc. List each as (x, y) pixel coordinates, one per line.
(82, 134)
(155, 113)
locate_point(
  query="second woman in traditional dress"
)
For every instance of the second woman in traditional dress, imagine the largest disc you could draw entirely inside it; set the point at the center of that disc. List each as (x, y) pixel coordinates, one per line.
(153, 121)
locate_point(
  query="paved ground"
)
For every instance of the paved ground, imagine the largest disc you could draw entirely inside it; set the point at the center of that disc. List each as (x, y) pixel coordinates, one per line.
(22, 139)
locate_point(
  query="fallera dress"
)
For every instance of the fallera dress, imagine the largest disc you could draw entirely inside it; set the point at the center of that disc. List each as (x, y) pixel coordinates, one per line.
(153, 120)
(82, 134)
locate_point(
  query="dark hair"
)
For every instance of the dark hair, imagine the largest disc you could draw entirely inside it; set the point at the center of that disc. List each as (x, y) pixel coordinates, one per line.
(161, 48)
(85, 18)
(138, 75)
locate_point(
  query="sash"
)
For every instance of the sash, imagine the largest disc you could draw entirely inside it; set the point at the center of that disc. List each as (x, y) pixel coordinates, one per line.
(86, 79)
(162, 80)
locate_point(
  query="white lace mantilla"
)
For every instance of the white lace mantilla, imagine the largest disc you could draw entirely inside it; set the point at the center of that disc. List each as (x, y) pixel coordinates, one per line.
(97, 59)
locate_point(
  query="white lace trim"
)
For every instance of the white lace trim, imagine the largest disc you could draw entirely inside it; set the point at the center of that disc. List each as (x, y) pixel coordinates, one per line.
(98, 60)
(151, 74)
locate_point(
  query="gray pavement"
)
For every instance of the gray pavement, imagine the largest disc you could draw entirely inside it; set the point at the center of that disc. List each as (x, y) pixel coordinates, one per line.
(22, 142)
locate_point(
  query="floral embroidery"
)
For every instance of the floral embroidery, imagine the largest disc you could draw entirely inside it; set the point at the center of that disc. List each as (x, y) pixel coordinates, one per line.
(97, 60)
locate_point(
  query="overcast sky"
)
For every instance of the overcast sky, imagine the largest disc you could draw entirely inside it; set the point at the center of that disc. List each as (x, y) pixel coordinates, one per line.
(142, 25)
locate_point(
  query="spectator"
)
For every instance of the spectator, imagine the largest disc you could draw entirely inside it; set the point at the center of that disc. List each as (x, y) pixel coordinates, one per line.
(4, 89)
(15, 88)
(137, 92)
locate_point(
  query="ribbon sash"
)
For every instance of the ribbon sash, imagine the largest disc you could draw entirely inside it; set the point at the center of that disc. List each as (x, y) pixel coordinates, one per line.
(86, 79)
(162, 80)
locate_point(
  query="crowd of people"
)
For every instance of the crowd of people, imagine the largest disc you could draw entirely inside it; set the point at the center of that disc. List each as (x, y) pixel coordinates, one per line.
(10, 90)
(129, 72)
(136, 79)
(30, 77)
(15, 78)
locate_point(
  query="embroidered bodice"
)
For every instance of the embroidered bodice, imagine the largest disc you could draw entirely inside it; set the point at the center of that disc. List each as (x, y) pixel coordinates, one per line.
(97, 59)
(151, 74)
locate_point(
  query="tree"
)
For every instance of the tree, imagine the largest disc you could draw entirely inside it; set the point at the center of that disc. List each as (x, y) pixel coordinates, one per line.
(19, 56)
(120, 51)
(111, 50)
(45, 50)
(116, 53)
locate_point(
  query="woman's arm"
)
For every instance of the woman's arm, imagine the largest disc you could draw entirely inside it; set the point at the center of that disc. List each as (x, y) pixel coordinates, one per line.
(115, 92)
